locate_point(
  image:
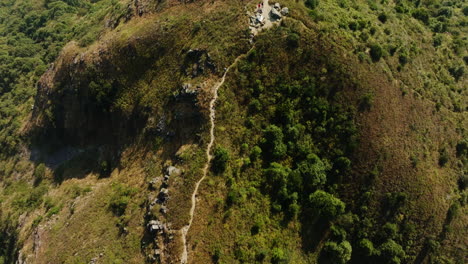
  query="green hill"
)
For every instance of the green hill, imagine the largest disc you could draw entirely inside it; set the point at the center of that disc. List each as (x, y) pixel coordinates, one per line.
(339, 133)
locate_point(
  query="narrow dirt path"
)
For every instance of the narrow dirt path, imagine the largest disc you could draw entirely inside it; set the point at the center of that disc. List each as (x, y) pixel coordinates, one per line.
(185, 229)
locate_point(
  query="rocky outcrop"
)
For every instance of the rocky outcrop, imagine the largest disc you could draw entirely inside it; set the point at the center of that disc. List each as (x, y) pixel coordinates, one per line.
(198, 62)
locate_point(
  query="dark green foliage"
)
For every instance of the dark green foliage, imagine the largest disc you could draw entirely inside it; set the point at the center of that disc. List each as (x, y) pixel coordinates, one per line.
(326, 205)
(293, 40)
(465, 10)
(39, 173)
(446, 12)
(353, 25)
(421, 14)
(312, 171)
(462, 148)
(365, 103)
(437, 40)
(366, 247)
(216, 255)
(382, 17)
(457, 72)
(403, 58)
(220, 160)
(273, 145)
(336, 253)
(278, 256)
(312, 4)
(443, 157)
(391, 252)
(376, 52)
(255, 153)
(390, 230)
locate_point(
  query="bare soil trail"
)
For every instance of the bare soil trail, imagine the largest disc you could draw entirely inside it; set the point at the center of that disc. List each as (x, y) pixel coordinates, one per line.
(269, 22)
(185, 229)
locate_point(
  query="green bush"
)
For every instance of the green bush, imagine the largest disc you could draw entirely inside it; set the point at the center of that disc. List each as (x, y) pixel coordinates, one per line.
(273, 142)
(382, 17)
(278, 256)
(376, 52)
(293, 40)
(39, 173)
(312, 171)
(462, 148)
(220, 160)
(337, 253)
(255, 153)
(443, 157)
(312, 4)
(421, 14)
(366, 247)
(326, 205)
(391, 252)
(390, 230)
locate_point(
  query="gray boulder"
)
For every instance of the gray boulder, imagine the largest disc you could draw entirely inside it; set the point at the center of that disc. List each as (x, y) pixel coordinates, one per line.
(275, 14)
(285, 11)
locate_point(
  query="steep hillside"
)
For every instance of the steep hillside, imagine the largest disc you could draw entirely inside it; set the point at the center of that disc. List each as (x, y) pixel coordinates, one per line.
(339, 134)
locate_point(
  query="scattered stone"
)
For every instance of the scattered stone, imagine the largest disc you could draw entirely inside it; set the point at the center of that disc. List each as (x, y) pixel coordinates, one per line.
(275, 14)
(163, 209)
(187, 90)
(164, 192)
(285, 11)
(156, 226)
(277, 6)
(153, 184)
(173, 171)
(166, 177)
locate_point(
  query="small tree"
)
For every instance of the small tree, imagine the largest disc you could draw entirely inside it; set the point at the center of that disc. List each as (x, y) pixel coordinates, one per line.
(376, 52)
(391, 252)
(313, 172)
(337, 253)
(366, 247)
(273, 142)
(327, 205)
(220, 160)
(312, 4)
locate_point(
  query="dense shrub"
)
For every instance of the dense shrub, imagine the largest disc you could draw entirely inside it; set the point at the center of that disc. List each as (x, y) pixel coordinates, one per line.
(312, 171)
(278, 256)
(376, 52)
(255, 153)
(273, 142)
(220, 160)
(382, 17)
(391, 252)
(39, 173)
(366, 247)
(312, 4)
(326, 205)
(462, 148)
(336, 253)
(421, 14)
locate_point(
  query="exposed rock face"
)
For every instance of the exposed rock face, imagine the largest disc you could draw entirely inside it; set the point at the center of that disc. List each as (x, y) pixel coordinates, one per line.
(275, 14)
(198, 62)
(100, 96)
